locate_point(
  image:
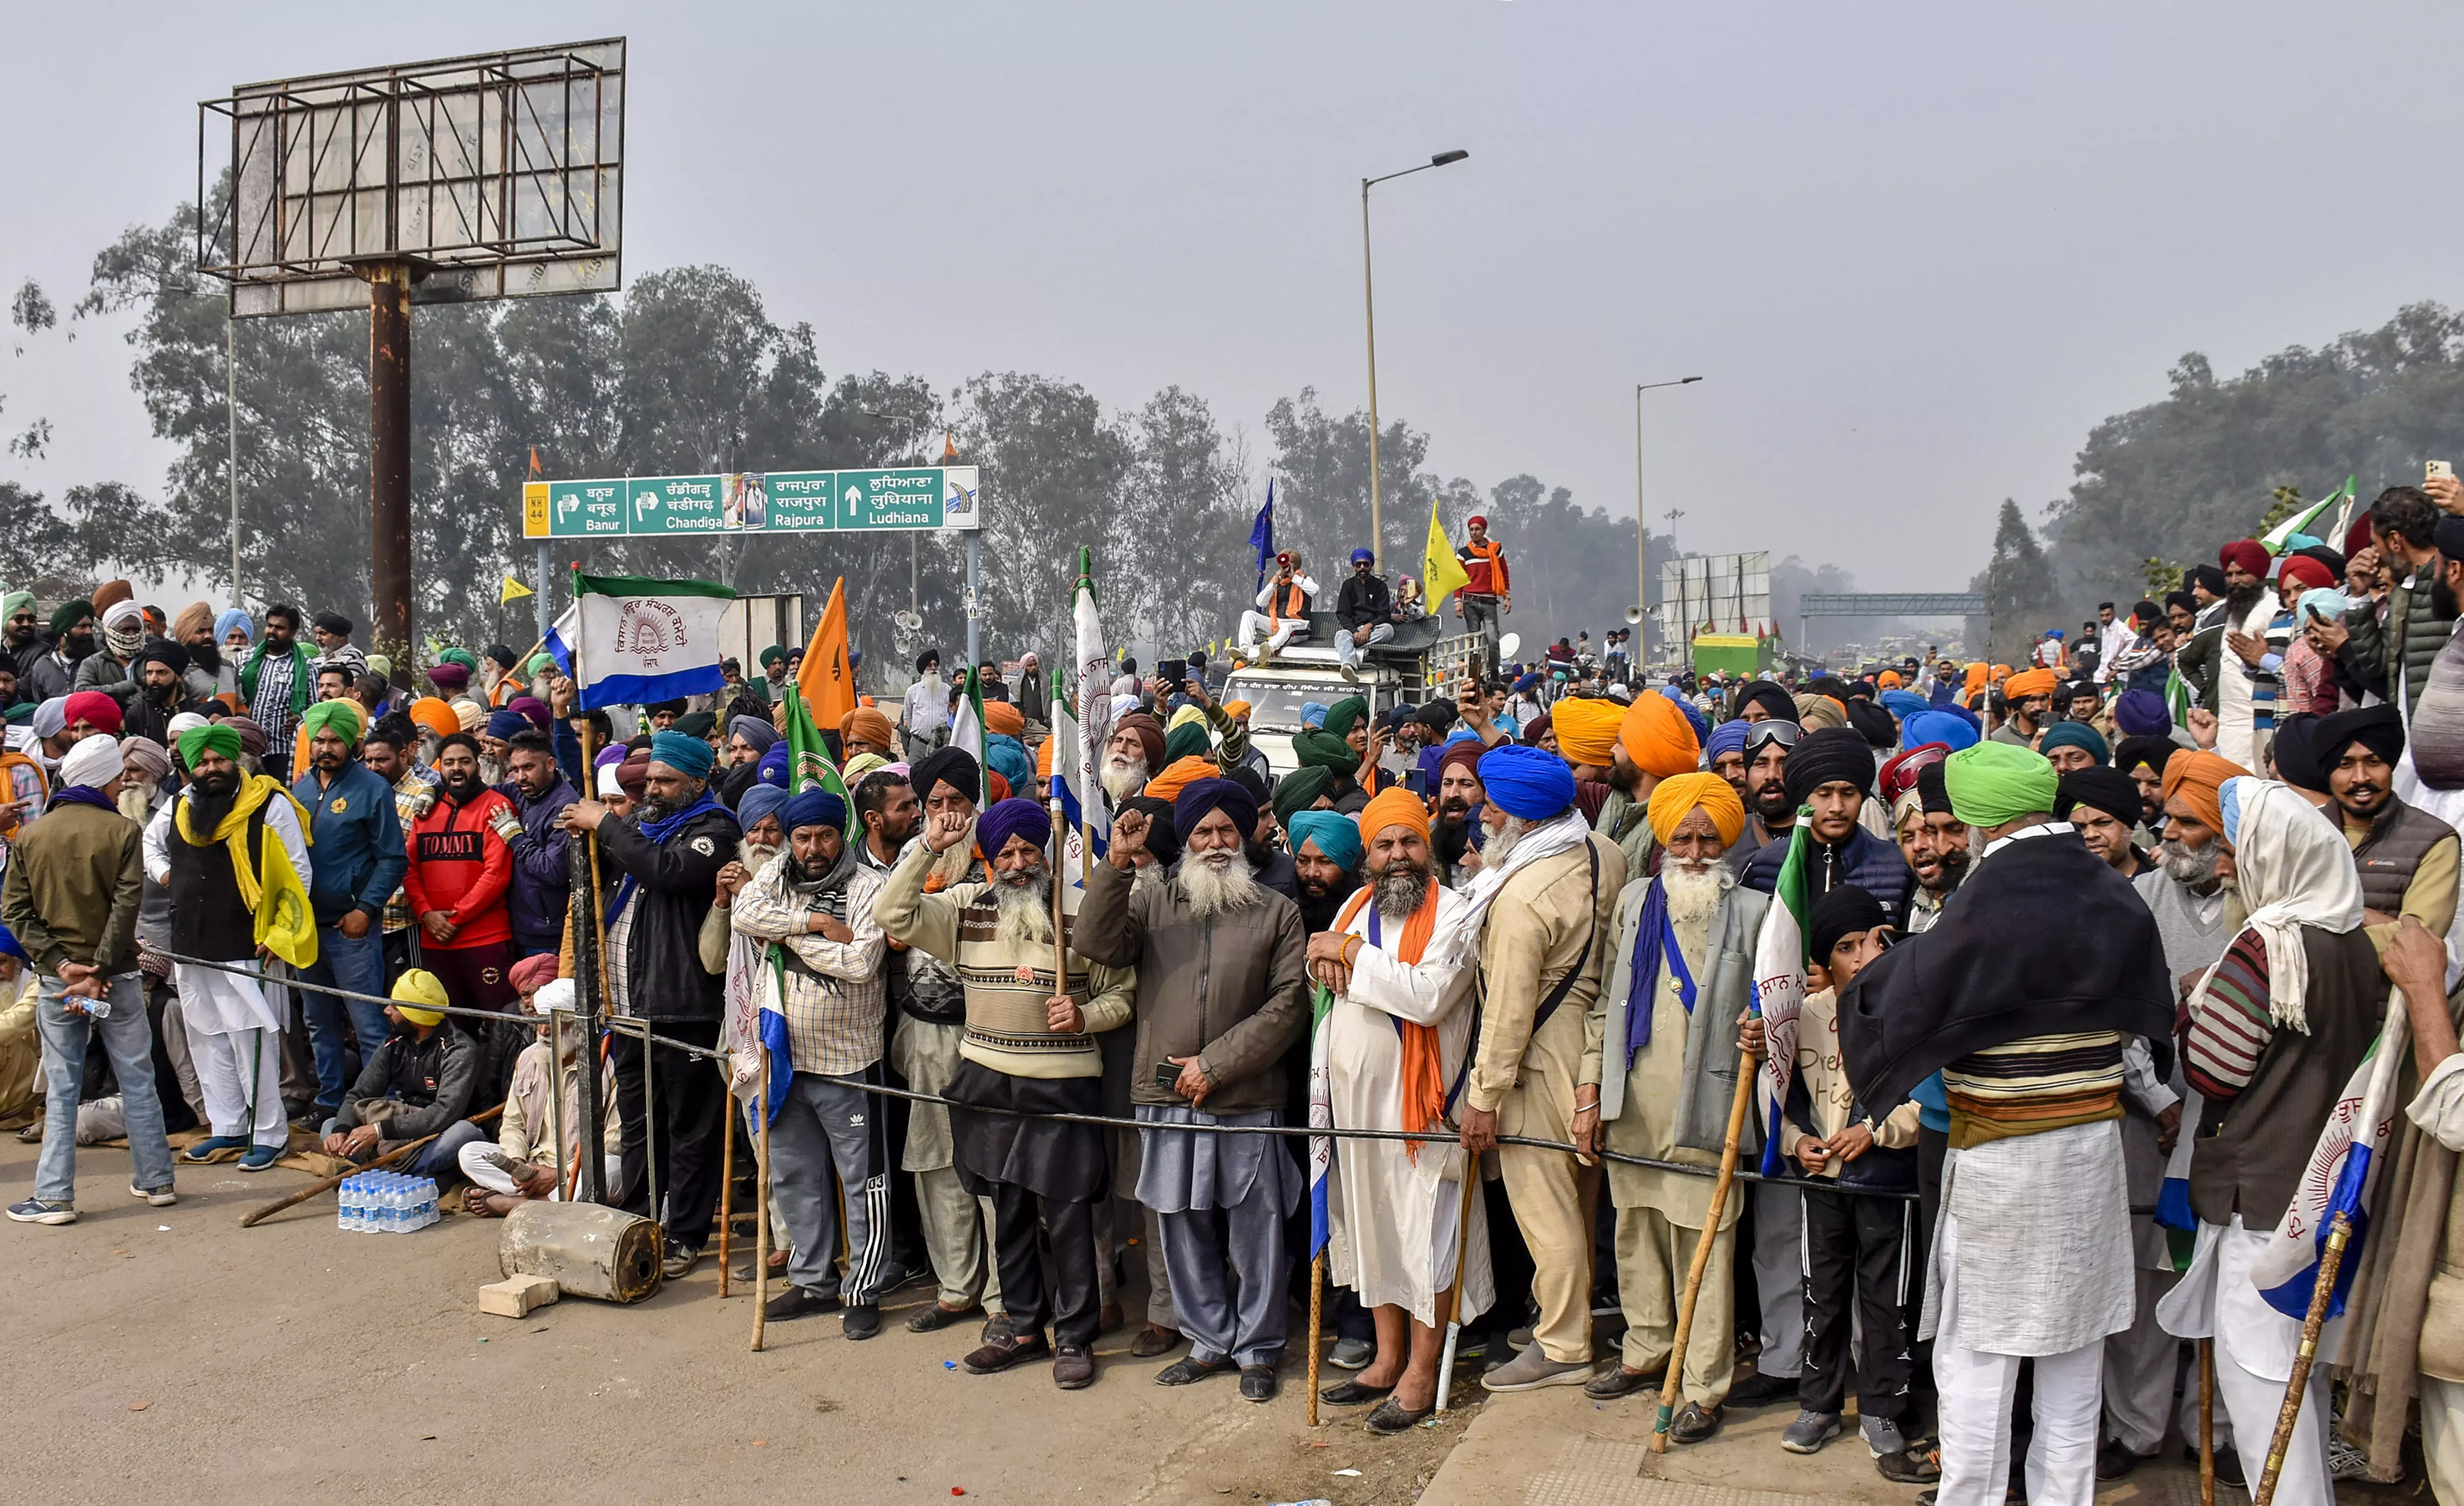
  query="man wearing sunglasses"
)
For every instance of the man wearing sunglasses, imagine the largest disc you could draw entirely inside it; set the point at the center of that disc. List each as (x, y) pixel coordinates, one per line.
(1769, 813)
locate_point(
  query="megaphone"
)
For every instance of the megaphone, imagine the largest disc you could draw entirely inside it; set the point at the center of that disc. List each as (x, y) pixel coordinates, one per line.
(1510, 645)
(1633, 615)
(908, 621)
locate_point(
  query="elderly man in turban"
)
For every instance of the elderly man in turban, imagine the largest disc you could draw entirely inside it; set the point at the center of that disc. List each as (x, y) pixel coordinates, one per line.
(1653, 742)
(816, 906)
(356, 830)
(1134, 754)
(1678, 982)
(1028, 1050)
(1219, 957)
(1395, 1209)
(543, 1099)
(2249, 672)
(1543, 915)
(2021, 997)
(233, 848)
(663, 861)
(2275, 1029)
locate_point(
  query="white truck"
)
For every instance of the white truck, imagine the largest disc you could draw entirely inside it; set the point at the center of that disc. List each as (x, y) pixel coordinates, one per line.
(1407, 669)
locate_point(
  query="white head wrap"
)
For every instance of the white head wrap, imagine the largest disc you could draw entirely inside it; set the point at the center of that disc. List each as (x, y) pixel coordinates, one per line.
(93, 761)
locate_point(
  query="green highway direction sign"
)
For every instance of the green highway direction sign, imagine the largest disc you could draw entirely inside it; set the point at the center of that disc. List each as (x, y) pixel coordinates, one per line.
(898, 498)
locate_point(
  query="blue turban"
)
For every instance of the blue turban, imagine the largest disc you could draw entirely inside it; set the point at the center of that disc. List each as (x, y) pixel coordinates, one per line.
(1702, 723)
(773, 768)
(2141, 714)
(1937, 726)
(1008, 759)
(758, 801)
(1528, 782)
(1903, 703)
(1312, 714)
(1005, 819)
(505, 724)
(233, 620)
(1729, 737)
(761, 734)
(689, 757)
(1336, 835)
(1200, 798)
(1363, 557)
(813, 808)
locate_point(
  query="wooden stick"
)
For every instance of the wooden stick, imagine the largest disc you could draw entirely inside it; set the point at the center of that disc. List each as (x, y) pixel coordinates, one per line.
(2206, 1422)
(2340, 1230)
(1747, 1067)
(1471, 1189)
(726, 1191)
(761, 1225)
(1317, 1296)
(295, 1198)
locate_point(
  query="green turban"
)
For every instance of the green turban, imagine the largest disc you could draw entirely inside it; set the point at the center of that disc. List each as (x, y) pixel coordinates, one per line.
(1345, 713)
(540, 663)
(1325, 750)
(461, 656)
(67, 615)
(341, 717)
(1297, 791)
(2074, 735)
(217, 737)
(13, 603)
(381, 664)
(773, 654)
(1189, 740)
(1996, 782)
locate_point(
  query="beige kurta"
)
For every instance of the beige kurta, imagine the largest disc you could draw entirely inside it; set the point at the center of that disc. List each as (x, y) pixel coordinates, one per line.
(1394, 1219)
(1647, 1125)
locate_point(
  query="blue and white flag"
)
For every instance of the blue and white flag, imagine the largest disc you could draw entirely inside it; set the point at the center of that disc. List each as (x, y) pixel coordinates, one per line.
(1320, 1114)
(1068, 787)
(1095, 720)
(635, 640)
(780, 1051)
(2337, 1179)
(1262, 535)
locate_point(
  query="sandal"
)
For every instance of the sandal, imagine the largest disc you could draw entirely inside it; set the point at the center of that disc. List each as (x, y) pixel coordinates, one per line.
(476, 1202)
(1392, 1417)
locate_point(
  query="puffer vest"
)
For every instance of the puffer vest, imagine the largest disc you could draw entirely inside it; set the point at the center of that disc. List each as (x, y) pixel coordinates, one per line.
(2392, 853)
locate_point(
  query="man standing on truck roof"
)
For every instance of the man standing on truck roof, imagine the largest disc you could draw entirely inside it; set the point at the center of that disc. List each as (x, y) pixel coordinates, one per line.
(1365, 611)
(1487, 594)
(1282, 611)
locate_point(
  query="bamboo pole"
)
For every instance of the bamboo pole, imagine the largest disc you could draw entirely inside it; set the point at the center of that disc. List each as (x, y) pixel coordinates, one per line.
(2340, 1230)
(1471, 1189)
(2206, 1422)
(726, 1193)
(295, 1198)
(761, 1225)
(1747, 1067)
(1317, 1317)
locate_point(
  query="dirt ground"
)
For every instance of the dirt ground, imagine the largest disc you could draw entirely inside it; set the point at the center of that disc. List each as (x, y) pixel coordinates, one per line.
(169, 1355)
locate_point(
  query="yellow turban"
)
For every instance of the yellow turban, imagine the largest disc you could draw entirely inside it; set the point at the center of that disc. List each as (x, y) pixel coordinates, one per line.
(418, 996)
(1236, 709)
(467, 711)
(1658, 738)
(1393, 807)
(2028, 682)
(1185, 716)
(1677, 797)
(1586, 729)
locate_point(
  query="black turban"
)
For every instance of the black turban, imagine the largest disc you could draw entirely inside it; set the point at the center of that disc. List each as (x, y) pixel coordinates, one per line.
(2295, 752)
(2099, 789)
(1781, 706)
(162, 650)
(2181, 599)
(1200, 798)
(2377, 728)
(2151, 750)
(1820, 758)
(2211, 576)
(1161, 839)
(1872, 723)
(333, 622)
(953, 767)
(1843, 912)
(1933, 792)
(929, 660)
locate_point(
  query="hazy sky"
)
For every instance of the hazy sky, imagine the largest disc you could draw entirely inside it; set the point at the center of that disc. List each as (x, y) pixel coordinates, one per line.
(1916, 252)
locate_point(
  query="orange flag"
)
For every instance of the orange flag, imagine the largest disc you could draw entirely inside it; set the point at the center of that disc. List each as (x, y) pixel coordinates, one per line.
(826, 678)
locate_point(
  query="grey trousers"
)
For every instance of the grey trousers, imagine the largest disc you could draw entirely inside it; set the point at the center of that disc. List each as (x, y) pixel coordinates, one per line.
(958, 1239)
(1124, 1220)
(1229, 1269)
(1779, 1272)
(827, 1134)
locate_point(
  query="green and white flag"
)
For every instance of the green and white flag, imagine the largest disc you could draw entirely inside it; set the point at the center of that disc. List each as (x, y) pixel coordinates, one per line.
(633, 639)
(2280, 537)
(1779, 978)
(809, 756)
(967, 722)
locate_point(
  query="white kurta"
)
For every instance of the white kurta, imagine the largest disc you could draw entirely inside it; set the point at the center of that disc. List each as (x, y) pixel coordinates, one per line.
(216, 1003)
(1394, 1220)
(2237, 727)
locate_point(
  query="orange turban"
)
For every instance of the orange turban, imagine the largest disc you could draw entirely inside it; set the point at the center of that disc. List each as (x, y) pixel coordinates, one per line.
(1676, 797)
(1888, 679)
(436, 716)
(1167, 785)
(1393, 807)
(1976, 674)
(1658, 738)
(2001, 673)
(1001, 717)
(1587, 728)
(1044, 759)
(867, 725)
(2198, 778)
(1236, 709)
(2028, 682)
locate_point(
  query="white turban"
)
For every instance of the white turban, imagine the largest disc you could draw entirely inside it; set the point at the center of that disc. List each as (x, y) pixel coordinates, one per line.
(121, 614)
(51, 718)
(185, 722)
(557, 993)
(93, 761)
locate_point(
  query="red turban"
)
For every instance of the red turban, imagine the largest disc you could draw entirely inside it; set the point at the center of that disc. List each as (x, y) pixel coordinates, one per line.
(94, 706)
(2308, 572)
(2248, 553)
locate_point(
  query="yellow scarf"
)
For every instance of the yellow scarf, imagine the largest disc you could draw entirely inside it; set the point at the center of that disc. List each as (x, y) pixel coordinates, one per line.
(285, 925)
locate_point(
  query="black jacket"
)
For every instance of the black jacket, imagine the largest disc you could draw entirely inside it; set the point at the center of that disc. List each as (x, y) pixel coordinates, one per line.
(433, 1079)
(1363, 601)
(675, 882)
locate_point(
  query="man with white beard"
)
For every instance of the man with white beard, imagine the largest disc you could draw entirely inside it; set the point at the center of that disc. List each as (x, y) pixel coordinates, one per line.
(1028, 1052)
(1134, 754)
(1394, 1211)
(1680, 983)
(1220, 959)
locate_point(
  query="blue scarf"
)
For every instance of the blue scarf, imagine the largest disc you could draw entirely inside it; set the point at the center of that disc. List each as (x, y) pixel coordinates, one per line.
(658, 831)
(85, 795)
(1642, 991)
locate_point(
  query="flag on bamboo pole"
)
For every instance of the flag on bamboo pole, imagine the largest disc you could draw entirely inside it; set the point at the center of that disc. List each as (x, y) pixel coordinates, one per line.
(1321, 1117)
(808, 756)
(1779, 980)
(827, 677)
(634, 640)
(1442, 572)
(2279, 539)
(967, 722)
(1095, 720)
(1262, 534)
(2337, 1179)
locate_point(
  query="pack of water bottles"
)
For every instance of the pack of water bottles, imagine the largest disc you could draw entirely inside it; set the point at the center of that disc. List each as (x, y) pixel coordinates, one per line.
(386, 1202)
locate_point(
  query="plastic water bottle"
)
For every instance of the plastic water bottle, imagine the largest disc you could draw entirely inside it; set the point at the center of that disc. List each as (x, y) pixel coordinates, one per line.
(397, 1204)
(360, 1190)
(342, 1206)
(430, 1216)
(389, 1204)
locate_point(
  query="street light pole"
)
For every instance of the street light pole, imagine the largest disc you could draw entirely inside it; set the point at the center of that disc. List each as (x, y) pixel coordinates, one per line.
(1641, 529)
(1369, 306)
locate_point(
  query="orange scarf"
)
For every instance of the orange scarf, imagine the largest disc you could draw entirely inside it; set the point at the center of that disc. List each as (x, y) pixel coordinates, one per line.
(1297, 600)
(1425, 1074)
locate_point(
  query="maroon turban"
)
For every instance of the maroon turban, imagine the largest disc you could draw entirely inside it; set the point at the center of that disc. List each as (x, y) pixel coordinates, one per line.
(1149, 736)
(2248, 553)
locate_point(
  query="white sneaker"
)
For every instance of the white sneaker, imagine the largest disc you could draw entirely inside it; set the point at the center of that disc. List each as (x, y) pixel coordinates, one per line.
(157, 1197)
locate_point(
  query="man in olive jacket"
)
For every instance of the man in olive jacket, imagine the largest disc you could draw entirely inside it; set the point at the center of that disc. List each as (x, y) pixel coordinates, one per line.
(1220, 959)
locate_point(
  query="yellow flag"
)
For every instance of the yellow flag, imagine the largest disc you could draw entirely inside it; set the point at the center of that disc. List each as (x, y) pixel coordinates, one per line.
(1442, 574)
(513, 590)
